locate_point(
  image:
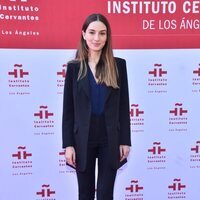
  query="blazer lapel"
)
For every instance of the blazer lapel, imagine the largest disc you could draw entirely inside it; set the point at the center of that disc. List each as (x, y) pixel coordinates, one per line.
(84, 84)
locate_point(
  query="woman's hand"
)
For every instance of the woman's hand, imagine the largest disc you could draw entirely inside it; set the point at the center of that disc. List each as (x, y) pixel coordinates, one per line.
(124, 151)
(70, 156)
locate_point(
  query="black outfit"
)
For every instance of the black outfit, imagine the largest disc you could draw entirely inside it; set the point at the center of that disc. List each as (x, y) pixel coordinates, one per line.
(96, 121)
(97, 148)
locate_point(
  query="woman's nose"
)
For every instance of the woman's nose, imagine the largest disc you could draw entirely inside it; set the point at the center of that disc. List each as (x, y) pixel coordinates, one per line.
(96, 37)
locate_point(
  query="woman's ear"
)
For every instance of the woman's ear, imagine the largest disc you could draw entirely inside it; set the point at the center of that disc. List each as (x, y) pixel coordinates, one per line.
(83, 34)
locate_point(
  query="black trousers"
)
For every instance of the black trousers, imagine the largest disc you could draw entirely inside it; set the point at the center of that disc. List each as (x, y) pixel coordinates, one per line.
(97, 149)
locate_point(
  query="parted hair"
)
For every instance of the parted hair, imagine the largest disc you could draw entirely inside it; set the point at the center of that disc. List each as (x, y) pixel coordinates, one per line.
(106, 69)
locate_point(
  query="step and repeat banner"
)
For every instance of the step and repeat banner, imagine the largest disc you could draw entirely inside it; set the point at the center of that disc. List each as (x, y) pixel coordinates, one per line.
(160, 41)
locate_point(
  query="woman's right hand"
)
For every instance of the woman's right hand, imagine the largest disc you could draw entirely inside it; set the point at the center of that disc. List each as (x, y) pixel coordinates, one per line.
(70, 156)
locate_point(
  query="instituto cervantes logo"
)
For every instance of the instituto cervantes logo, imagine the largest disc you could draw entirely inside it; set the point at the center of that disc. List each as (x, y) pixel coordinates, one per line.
(134, 187)
(178, 120)
(178, 110)
(177, 189)
(196, 149)
(197, 71)
(43, 113)
(43, 118)
(18, 71)
(22, 163)
(177, 185)
(196, 80)
(46, 192)
(157, 79)
(62, 73)
(195, 156)
(157, 158)
(18, 80)
(158, 71)
(156, 149)
(21, 154)
(134, 190)
(44, 121)
(136, 117)
(18, 77)
(61, 79)
(135, 111)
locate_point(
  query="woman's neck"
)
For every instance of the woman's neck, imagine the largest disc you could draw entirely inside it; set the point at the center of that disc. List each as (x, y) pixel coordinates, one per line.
(94, 57)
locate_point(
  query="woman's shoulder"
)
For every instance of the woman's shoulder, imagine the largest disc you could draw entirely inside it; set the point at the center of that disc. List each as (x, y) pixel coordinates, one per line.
(119, 59)
(73, 62)
(120, 63)
(73, 65)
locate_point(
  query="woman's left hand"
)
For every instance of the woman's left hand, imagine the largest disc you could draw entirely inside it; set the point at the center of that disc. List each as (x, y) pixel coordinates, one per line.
(124, 151)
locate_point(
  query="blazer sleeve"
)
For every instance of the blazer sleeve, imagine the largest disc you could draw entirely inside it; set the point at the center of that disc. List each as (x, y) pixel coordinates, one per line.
(124, 109)
(68, 109)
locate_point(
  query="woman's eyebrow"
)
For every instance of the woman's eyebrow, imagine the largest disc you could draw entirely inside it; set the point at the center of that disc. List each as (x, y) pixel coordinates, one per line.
(99, 31)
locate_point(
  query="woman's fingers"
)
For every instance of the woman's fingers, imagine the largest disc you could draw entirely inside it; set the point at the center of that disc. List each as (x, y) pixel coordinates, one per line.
(70, 156)
(74, 158)
(124, 151)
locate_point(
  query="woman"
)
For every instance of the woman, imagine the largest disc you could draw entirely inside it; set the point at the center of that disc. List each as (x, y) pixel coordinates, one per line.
(96, 121)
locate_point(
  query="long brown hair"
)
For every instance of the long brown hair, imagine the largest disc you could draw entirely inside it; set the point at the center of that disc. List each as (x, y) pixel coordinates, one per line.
(106, 69)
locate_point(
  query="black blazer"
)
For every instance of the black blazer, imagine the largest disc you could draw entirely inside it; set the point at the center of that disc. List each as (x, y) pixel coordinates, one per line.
(77, 111)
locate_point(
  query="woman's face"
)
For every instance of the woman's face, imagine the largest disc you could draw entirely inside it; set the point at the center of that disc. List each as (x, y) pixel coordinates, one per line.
(95, 36)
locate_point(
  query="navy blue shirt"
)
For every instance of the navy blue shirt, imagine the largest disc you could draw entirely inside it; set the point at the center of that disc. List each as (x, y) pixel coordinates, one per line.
(97, 94)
